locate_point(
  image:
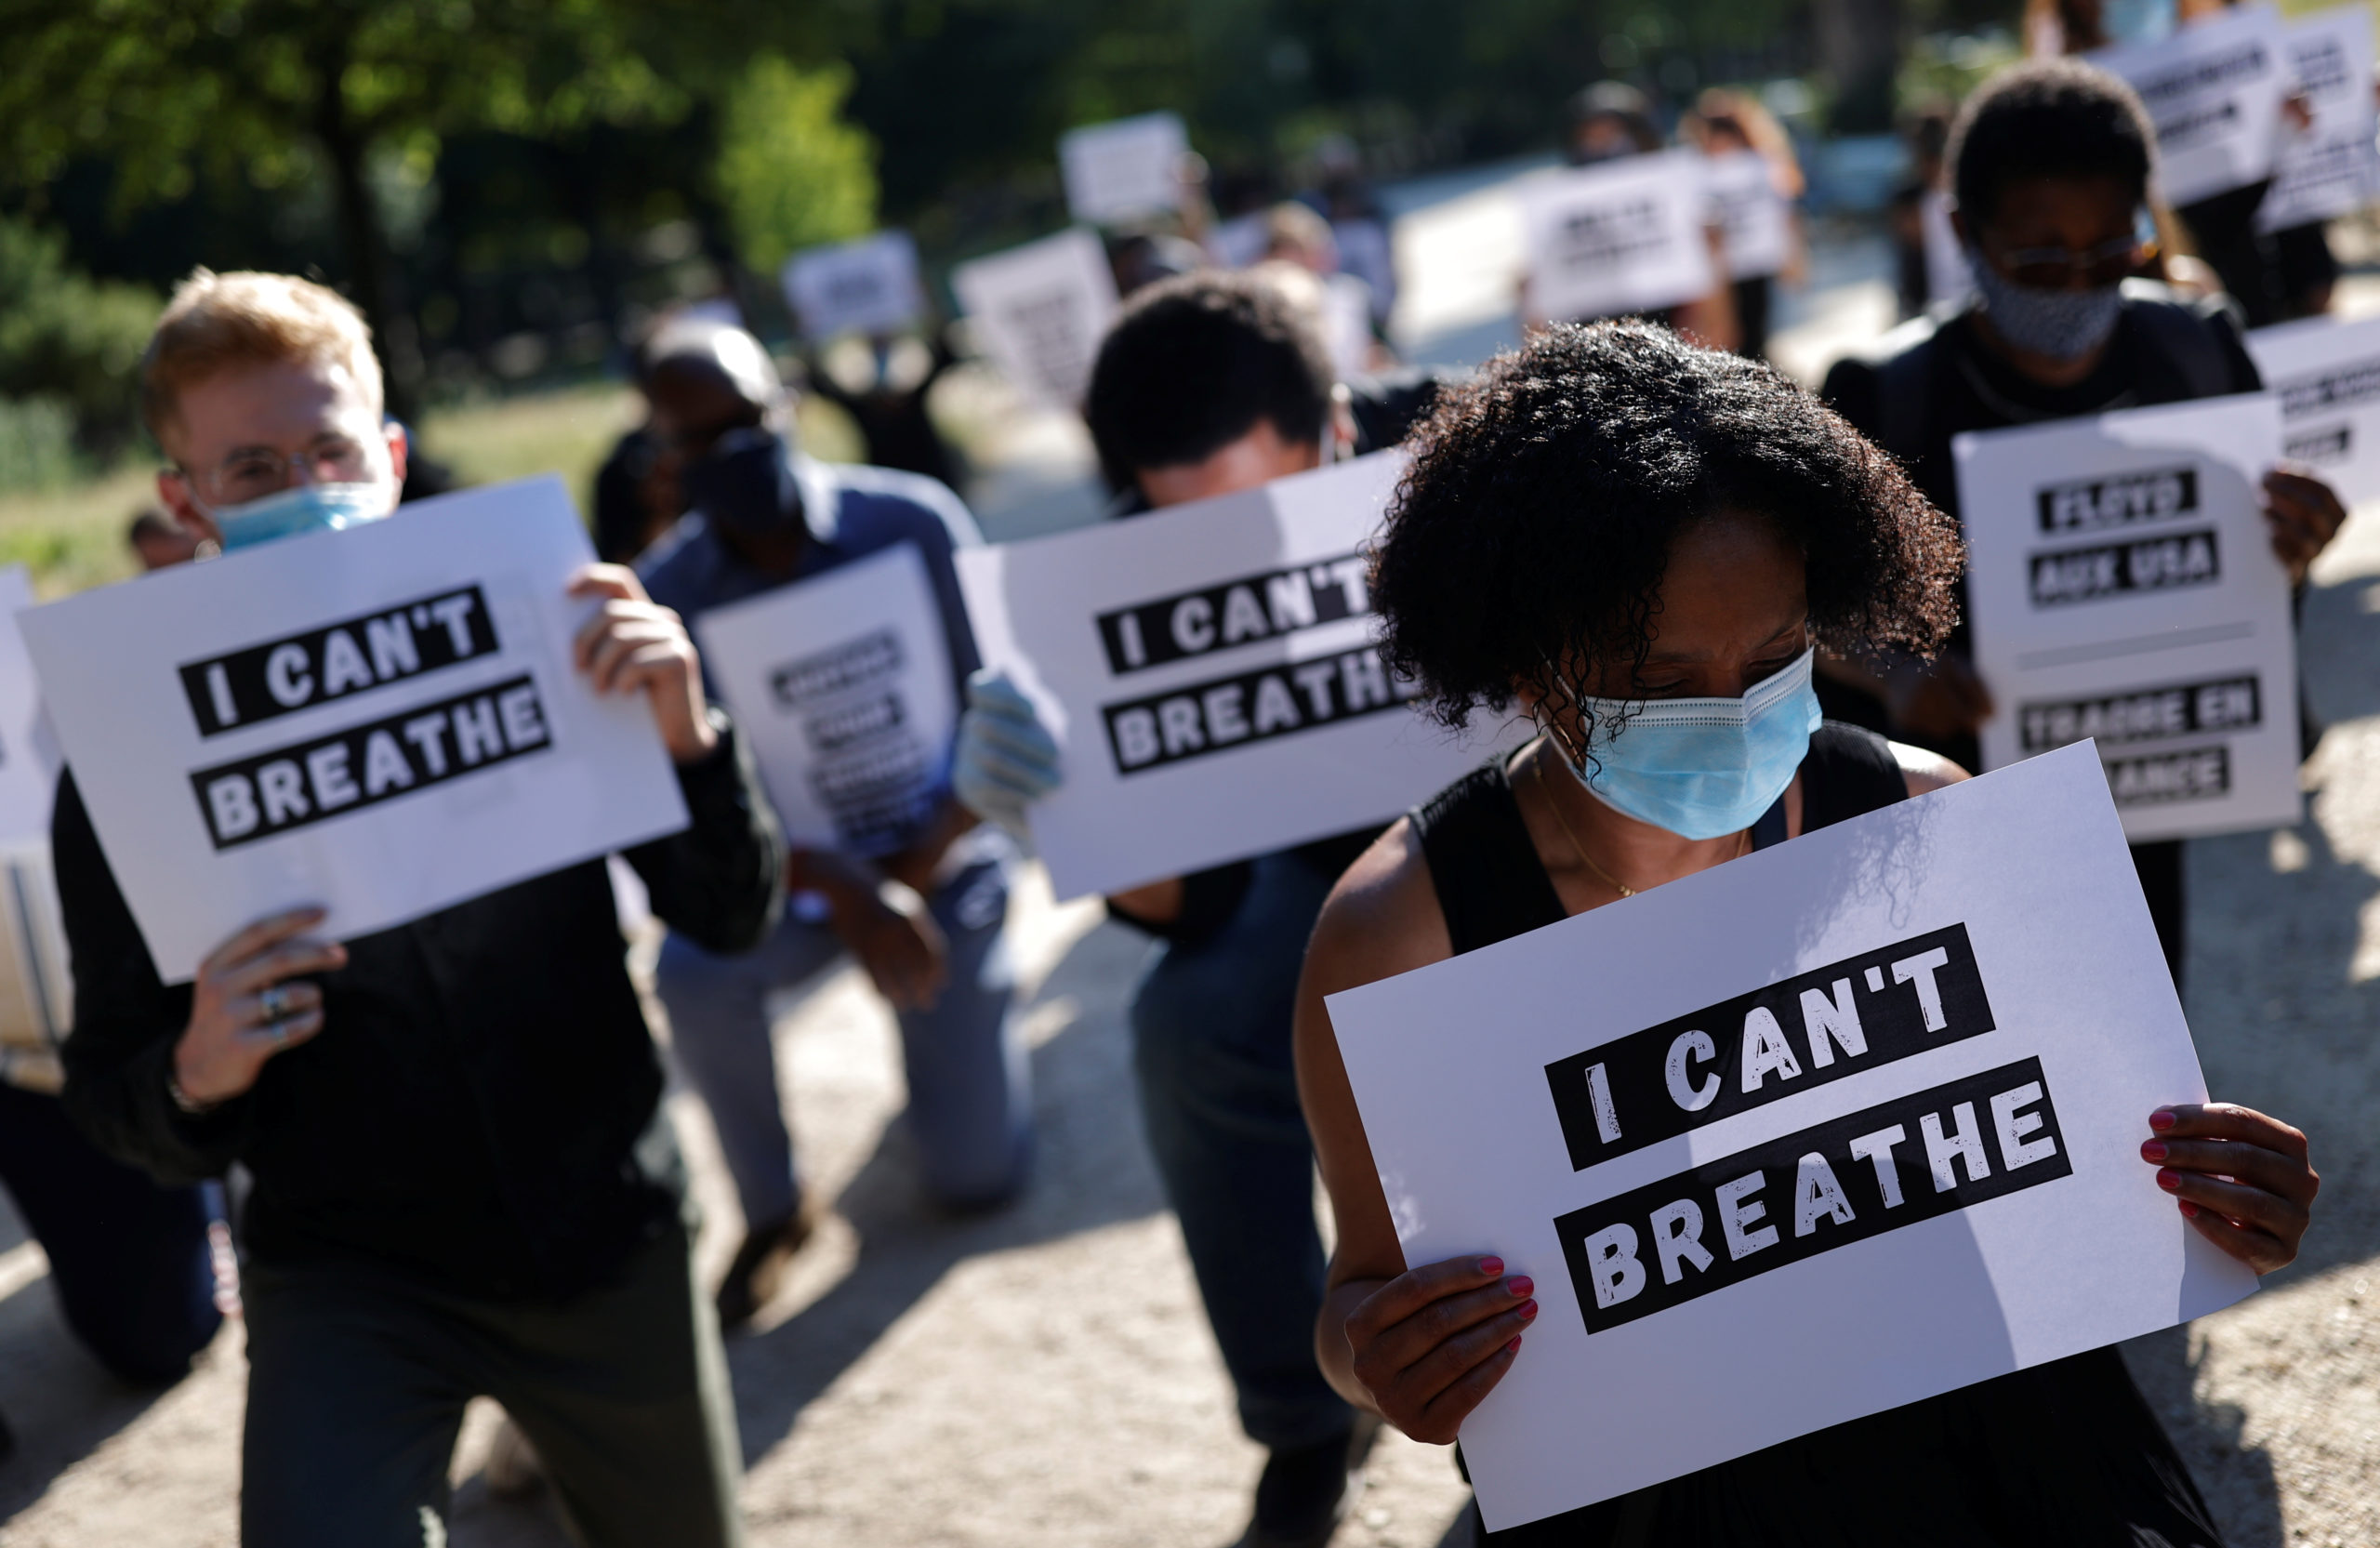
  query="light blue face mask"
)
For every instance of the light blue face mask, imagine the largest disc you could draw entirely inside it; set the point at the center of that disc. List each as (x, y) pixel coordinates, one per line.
(301, 508)
(1703, 768)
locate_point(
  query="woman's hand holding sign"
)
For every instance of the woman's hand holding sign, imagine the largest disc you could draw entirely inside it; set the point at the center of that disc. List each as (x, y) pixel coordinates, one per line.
(2305, 514)
(243, 1012)
(1430, 1344)
(633, 643)
(2242, 1178)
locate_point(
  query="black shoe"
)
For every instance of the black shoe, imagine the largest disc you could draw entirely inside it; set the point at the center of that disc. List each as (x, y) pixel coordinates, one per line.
(1305, 1491)
(757, 1272)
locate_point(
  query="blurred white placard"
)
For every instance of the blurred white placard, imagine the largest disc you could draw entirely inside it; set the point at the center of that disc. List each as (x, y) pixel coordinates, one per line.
(1209, 675)
(869, 286)
(2333, 168)
(1626, 236)
(1914, 1056)
(1040, 312)
(2122, 586)
(842, 684)
(2326, 372)
(36, 984)
(28, 750)
(1124, 170)
(384, 721)
(1755, 220)
(2214, 91)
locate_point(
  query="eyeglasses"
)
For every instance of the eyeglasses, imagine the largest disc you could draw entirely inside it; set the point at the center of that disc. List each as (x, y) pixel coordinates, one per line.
(253, 472)
(2056, 268)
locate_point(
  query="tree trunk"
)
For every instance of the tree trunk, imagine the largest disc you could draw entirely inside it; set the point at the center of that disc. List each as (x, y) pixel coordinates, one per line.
(1859, 48)
(345, 144)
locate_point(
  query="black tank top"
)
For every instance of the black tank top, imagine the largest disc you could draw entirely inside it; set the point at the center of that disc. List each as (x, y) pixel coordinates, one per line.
(1491, 885)
(2061, 1452)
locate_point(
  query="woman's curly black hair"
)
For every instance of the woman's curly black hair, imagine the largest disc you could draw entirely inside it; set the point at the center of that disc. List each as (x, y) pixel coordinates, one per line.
(1545, 495)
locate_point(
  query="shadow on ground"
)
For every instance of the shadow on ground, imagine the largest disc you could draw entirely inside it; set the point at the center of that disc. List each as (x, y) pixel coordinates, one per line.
(62, 1404)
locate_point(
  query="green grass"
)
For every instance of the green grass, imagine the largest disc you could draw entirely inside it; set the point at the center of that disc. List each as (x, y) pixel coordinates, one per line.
(73, 537)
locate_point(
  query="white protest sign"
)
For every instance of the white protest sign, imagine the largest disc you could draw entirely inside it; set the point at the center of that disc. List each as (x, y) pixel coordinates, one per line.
(28, 758)
(842, 686)
(1754, 218)
(1124, 170)
(384, 721)
(37, 985)
(2326, 372)
(1040, 310)
(866, 286)
(2333, 168)
(2122, 586)
(1624, 237)
(1209, 675)
(1835, 1127)
(2214, 91)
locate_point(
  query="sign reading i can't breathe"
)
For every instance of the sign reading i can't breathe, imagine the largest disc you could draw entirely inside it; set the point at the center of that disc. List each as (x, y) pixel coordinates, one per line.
(384, 721)
(2123, 587)
(1209, 673)
(1789, 1199)
(845, 686)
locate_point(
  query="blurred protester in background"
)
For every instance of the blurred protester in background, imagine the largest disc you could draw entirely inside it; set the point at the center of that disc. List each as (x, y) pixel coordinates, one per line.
(1144, 259)
(465, 1182)
(634, 499)
(1358, 227)
(883, 384)
(1725, 123)
(1929, 268)
(1609, 121)
(160, 541)
(923, 916)
(1206, 386)
(1296, 236)
(2051, 164)
(135, 1265)
(2272, 275)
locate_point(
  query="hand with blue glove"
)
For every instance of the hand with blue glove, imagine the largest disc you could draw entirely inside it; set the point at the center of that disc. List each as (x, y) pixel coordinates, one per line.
(1006, 758)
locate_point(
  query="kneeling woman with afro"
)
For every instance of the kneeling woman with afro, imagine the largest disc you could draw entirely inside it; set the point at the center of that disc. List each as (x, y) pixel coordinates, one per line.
(1640, 545)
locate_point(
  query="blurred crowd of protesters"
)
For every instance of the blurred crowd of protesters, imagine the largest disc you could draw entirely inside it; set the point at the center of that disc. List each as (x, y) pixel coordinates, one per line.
(1253, 342)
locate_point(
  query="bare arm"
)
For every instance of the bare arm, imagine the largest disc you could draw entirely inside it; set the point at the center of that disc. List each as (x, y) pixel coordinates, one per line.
(1421, 1346)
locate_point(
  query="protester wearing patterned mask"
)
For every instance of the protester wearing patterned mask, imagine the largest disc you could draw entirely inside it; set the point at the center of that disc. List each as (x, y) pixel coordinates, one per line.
(2050, 163)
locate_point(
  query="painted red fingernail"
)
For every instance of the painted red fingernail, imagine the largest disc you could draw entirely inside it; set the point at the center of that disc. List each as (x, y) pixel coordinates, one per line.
(1529, 1311)
(2189, 1211)
(1491, 1267)
(1514, 1347)
(2161, 1119)
(1521, 1284)
(2152, 1150)
(2168, 1179)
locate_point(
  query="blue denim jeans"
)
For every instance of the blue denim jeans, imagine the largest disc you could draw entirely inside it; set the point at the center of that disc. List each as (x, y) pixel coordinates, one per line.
(1219, 1095)
(970, 1093)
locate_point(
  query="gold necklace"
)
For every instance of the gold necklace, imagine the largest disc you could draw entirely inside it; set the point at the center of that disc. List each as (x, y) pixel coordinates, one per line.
(1537, 769)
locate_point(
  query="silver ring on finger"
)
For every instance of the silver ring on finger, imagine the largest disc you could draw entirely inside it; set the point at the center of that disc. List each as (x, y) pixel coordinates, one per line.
(279, 1032)
(273, 1003)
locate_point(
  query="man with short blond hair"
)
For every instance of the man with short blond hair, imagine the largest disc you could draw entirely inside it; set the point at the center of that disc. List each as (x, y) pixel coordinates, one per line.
(464, 1183)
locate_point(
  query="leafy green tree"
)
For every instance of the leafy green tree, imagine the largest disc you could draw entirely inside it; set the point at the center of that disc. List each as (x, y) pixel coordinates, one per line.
(68, 343)
(791, 173)
(164, 88)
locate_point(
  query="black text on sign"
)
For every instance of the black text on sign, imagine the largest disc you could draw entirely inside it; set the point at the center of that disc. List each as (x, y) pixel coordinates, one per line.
(1234, 613)
(347, 771)
(1887, 1166)
(2146, 714)
(2126, 569)
(2091, 504)
(1252, 706)
(280, 677)
(1804, 1031)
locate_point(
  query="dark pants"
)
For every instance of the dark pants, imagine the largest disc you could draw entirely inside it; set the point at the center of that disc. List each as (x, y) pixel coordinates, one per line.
(1218, 1094)
(128, 1259)
(357, 1381)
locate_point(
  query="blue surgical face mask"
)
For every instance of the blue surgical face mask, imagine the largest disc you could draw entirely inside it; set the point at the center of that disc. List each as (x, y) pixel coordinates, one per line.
(301, 508)
(2063, 324)
(2137, 21)
(1702, 768)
